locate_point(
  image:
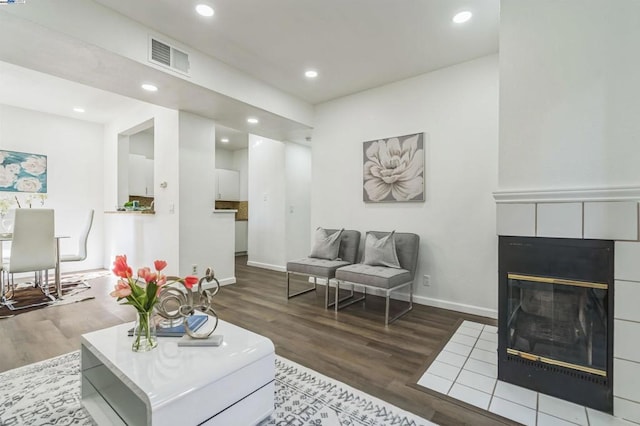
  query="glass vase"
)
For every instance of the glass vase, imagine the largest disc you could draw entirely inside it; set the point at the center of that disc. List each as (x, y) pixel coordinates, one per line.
(7, 224)
(144, 333)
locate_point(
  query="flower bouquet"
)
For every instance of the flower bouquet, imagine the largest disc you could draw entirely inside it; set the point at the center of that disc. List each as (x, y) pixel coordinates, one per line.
(142, 293)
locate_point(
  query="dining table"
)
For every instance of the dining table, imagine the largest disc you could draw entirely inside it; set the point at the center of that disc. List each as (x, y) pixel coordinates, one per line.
(8, 236)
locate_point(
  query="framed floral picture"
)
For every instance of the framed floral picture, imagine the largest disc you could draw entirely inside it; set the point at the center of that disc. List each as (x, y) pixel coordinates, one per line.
(23, 172)
(393, 169)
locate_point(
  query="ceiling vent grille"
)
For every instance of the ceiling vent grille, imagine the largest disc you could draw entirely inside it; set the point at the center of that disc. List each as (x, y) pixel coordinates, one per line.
(163, 54)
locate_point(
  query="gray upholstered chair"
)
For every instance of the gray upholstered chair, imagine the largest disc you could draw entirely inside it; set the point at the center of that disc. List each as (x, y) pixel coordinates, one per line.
(325, 269)
(384, 278)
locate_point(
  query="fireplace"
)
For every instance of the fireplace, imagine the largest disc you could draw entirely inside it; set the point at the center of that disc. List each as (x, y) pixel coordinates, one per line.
(555, 319)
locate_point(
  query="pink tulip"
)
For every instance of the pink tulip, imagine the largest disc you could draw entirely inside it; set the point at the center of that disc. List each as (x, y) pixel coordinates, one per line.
(122, 289)
(146, 274)
(120, 267)
(190, 281)
(159, 265)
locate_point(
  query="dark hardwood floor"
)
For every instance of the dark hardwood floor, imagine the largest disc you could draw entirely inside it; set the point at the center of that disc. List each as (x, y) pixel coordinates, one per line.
(352, 346)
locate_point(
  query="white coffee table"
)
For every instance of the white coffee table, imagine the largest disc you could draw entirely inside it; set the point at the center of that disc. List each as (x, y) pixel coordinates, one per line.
(232, 384)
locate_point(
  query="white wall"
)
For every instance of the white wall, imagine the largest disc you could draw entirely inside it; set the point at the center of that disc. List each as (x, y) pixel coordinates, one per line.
(94, 24)
(569, 93)
(241, 163)
(267, 247)
(141, 143)
(224, 159)
(74, 175)
(457, 108)
(144, 238)
(298, 200)
(235, 160)
(206, 238)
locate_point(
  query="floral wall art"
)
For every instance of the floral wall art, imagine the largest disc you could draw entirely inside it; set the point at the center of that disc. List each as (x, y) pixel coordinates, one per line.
(23, 172)
(393, 169)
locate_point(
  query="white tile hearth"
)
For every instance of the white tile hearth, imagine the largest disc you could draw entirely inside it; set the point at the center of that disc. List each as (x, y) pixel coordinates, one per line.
(513, 411)
(452, 358)
(470, 395)
(466, 369)
(516, 394)
(436, 383)
(563, 409)
(476, 381)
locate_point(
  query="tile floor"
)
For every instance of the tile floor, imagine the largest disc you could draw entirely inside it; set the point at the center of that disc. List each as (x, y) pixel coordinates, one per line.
(467, 369)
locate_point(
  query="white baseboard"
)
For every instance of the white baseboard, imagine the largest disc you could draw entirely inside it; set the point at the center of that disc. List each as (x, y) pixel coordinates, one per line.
(227, 281)
(267, 266)
(422, 300)
(223, 282)
(323, 281)
(453, 306)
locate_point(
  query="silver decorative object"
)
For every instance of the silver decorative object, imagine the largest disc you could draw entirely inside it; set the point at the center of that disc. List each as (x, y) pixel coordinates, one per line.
(180, 303)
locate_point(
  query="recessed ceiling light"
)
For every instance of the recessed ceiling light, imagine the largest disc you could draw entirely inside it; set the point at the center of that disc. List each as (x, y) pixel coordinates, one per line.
(252, 120)
(462, 17)
(78, 109)
(205, 10)
(224, 140)
(311, 74)
(149, 87)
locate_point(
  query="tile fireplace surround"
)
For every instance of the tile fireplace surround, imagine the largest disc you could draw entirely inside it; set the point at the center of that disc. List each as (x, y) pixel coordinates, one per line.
(605, 214)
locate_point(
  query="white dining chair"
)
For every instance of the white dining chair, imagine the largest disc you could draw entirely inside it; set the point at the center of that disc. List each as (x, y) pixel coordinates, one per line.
(81, 254)
(33, 249)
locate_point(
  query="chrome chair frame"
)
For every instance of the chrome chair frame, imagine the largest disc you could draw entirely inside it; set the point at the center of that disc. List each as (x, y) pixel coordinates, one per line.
(327, 304)
(408, 245)
(348, 252)
(387, 296)
(82, 250)
(38, 217)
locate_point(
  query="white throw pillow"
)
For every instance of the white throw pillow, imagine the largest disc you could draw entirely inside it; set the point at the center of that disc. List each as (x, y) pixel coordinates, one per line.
(326, 245)
(381, 252)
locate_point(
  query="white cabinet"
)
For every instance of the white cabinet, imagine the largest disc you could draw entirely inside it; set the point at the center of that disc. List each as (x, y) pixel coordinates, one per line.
(140, 175)
(241, 236)
(227, 185)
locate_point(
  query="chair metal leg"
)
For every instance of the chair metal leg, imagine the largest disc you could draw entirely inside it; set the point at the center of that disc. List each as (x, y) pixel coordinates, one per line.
(4, 300)
(337, 298)
(79, 283)
(44, 287)
(326, 294)
(7, 286)
(388, 320)
(350, 296)
(290, 295)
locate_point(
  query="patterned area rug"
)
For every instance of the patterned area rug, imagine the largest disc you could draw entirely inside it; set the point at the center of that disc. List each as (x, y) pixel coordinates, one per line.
(72, 289)
(48, 393)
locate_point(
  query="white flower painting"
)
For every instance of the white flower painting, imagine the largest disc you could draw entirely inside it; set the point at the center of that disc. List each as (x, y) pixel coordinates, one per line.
(23, 172)
(394, 169)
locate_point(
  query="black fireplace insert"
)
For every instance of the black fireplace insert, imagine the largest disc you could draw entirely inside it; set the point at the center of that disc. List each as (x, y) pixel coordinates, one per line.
(555, 325)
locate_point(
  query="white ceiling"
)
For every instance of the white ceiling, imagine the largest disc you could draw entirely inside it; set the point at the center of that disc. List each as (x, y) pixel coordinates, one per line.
(354, 45)
(25, 88)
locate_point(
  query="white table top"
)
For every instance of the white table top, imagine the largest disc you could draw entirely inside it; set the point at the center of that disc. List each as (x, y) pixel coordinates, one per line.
(168, 369)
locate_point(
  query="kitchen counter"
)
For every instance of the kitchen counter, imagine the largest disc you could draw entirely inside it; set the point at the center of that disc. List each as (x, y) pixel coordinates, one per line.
(131, 212)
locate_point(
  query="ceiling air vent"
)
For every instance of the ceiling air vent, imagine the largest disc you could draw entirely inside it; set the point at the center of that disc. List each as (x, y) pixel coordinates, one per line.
(164, 54)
